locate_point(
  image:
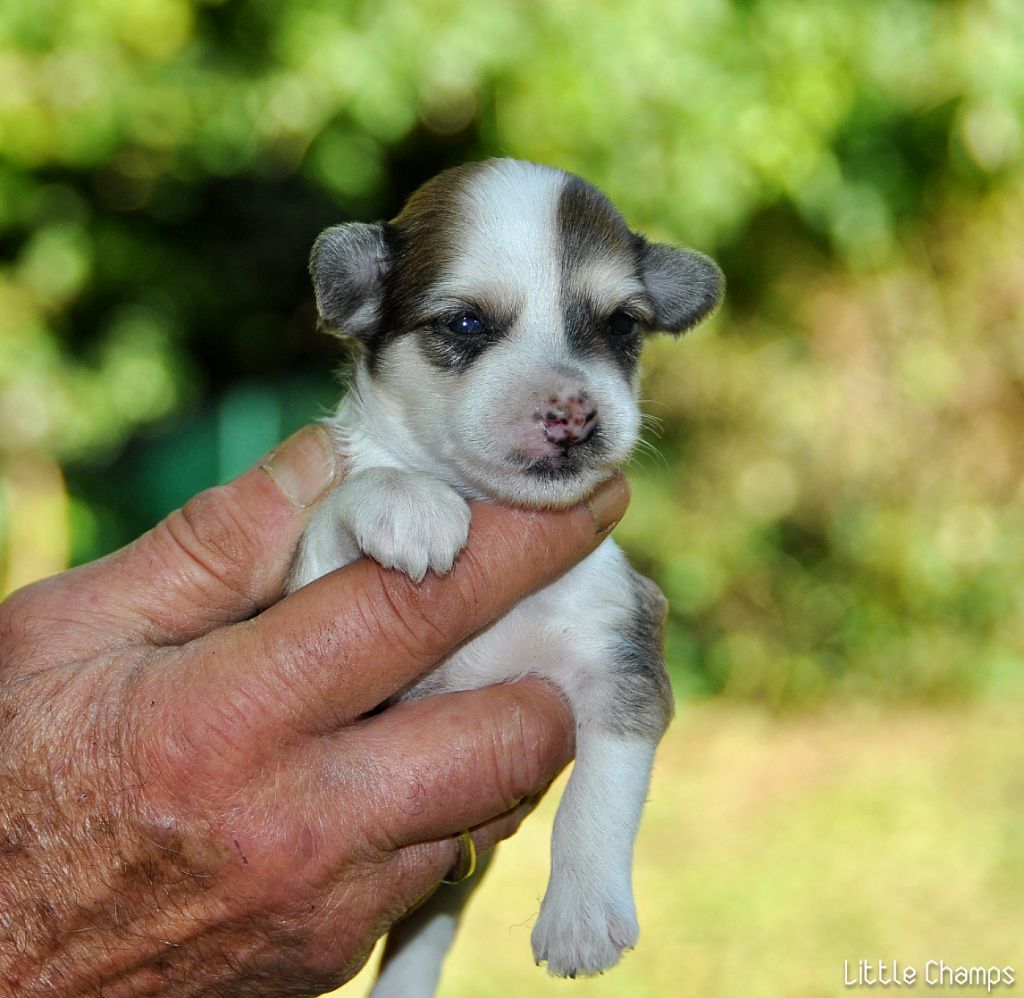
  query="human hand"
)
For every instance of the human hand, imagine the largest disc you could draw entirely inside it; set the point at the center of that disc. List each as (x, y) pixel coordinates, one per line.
(193, 798)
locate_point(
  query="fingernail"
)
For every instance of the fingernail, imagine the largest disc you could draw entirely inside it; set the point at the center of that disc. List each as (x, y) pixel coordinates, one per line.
(303, 466)
(608, 503)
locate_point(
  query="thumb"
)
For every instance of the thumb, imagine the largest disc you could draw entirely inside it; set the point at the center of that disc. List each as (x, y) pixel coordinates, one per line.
(220, 558)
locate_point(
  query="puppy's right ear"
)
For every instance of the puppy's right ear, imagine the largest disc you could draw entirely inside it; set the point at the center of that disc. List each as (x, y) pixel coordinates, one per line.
(348, 265)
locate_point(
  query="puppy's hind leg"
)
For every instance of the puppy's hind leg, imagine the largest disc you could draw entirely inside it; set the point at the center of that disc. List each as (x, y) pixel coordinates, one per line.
(588, 916)
(417, 945)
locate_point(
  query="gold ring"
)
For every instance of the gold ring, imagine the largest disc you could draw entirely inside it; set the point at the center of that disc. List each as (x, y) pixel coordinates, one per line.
(465, 865)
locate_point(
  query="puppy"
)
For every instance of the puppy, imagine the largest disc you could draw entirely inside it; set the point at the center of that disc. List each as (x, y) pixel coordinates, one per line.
(500, 318)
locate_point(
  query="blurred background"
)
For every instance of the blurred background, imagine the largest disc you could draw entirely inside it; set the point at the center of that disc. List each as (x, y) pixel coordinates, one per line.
(832, 504)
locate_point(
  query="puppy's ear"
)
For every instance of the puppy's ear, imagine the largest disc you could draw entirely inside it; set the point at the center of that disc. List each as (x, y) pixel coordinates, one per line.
(684, 286)
(348, 265)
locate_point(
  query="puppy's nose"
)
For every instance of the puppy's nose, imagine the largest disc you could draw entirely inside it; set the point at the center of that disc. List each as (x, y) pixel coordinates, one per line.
(568, 420)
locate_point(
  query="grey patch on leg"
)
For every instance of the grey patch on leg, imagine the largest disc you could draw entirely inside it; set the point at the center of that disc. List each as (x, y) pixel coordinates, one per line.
(642, 703)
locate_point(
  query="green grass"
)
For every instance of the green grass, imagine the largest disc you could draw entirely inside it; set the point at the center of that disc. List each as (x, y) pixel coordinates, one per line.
(774, 849)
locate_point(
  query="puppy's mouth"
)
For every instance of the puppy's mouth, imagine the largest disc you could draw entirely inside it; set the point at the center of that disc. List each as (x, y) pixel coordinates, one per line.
(565, 463)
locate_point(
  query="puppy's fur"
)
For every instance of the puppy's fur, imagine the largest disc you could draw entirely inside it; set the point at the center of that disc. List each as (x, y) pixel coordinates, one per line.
(500, 318)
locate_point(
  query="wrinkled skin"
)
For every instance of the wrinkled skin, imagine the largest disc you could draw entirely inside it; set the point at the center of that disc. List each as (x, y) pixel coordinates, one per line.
(193, 799)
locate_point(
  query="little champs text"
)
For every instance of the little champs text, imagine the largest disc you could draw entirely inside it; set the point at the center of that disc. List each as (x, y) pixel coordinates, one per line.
(934, 974)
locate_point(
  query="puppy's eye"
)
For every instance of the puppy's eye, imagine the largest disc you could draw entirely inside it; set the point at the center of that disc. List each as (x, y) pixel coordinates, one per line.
(621, 323)
(467, 324)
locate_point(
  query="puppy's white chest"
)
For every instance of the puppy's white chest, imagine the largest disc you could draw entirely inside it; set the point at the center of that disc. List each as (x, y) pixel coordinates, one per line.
(563, 632)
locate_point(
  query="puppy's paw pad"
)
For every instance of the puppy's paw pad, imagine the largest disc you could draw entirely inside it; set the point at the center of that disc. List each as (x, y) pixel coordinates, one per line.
(583, 940)
(416, 526)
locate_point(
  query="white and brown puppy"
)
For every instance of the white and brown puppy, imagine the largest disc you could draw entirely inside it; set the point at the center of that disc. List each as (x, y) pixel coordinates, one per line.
(501, 317)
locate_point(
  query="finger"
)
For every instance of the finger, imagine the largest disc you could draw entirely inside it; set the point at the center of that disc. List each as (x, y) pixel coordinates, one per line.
(436, 860)
(219, 559)
(409, 889)
(403, 875)
(410, 874)
(342, 645)
(432, 768)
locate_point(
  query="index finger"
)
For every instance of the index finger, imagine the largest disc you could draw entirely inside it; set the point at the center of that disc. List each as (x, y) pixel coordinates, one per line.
(342, 645)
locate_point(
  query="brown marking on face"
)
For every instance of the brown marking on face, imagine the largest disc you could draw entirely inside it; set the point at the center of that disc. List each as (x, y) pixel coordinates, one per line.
(427, 241)
(423, 240)
(590, 228)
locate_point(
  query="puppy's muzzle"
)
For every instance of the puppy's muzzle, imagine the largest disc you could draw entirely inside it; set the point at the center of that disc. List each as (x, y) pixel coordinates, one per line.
(568, 421)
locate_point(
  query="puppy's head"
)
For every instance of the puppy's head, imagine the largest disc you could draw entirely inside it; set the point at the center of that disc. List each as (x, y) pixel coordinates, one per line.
(502, 315)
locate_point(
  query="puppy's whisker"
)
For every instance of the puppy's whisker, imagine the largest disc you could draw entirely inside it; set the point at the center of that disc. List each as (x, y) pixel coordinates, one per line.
(652, 425)
(645, 453)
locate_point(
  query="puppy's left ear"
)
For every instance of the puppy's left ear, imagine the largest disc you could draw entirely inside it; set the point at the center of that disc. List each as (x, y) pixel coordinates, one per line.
(348, 266)
(684, 286)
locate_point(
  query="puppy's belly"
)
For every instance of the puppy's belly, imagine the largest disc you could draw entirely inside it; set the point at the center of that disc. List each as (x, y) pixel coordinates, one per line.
(565, 632)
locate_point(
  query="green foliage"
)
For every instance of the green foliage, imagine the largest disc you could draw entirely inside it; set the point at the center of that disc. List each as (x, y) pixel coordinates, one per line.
(833, 504)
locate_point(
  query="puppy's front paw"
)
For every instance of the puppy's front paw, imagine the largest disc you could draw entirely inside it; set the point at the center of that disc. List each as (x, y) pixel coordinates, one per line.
(410, 522)
(580, 932)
